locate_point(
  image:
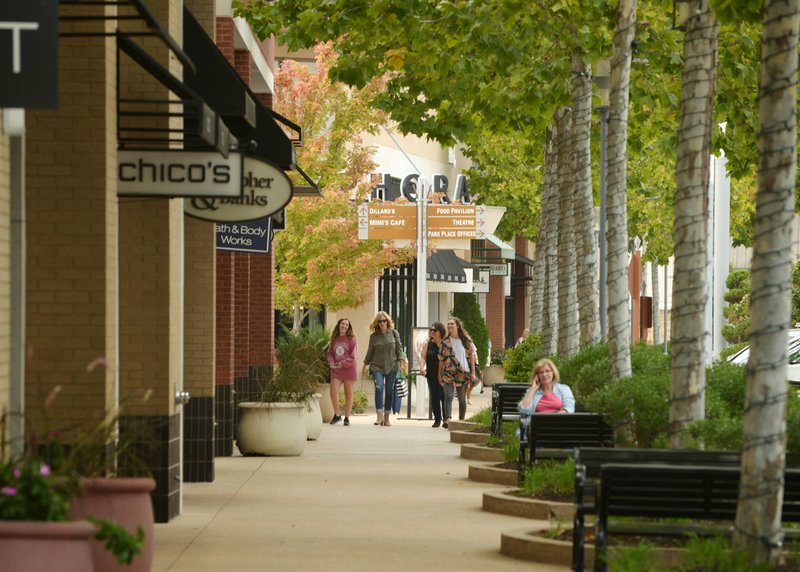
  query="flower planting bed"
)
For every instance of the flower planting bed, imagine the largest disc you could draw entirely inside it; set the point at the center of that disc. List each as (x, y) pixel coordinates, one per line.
(483, 453)
(508, 503)
(492, 473)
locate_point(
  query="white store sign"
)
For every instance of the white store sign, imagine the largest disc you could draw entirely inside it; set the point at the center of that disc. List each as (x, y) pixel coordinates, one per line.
(178, 174)
(266, 191)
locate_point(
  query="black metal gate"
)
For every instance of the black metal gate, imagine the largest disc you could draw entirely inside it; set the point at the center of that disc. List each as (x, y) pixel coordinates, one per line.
(397, 297)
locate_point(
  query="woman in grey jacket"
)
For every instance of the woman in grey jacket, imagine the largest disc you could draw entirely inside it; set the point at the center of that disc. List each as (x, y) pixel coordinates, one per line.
(384, 356)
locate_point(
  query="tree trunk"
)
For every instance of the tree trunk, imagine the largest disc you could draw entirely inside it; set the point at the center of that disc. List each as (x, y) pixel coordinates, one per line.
(568, 332)
(550, 250)
(656, 305)
(758, 515)
(297, 319)
(619, 316)
(690, 234)
(584, 203)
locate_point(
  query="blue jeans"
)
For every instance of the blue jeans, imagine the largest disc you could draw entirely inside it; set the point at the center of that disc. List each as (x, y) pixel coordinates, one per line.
(384, 389)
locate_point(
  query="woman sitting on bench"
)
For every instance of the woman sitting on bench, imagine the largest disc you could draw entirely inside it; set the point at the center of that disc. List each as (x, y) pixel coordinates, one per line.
(546, 394)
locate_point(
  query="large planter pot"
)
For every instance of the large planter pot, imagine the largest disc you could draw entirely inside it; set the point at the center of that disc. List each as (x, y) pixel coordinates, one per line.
(493, 374)
(46, 546)
(272, 428)
(313, 418)
(325, 406)
(125, 501)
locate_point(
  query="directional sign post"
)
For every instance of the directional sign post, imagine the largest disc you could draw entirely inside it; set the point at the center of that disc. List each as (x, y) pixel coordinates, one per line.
(387, 221)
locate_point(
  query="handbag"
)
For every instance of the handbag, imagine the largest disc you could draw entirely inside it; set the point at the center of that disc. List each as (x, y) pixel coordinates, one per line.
(401, 387)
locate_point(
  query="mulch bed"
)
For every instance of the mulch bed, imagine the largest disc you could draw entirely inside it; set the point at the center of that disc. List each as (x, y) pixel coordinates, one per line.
(545, 494)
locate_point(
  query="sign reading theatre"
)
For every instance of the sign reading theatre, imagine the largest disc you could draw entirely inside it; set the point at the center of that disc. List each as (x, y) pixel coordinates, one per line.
(266, 190)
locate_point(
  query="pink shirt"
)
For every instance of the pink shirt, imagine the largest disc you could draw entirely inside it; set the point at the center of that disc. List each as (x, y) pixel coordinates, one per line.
(549, 403)
(344, 353)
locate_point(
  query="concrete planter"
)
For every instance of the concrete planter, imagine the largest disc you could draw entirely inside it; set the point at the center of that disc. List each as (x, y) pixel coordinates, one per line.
(314, 418)
(46, 546)
(272, 428)
(493, 374)
(125, 501)
(483, 453)
(461, 425)
(489, 473)
(536, 509)
(468, 437)
(325, 406)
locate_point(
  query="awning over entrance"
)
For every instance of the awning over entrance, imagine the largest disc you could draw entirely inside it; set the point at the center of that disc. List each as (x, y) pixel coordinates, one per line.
(444, 266)
(492, 250)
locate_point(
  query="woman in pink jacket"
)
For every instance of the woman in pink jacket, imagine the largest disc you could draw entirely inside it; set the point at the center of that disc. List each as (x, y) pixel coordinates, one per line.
(343, 359)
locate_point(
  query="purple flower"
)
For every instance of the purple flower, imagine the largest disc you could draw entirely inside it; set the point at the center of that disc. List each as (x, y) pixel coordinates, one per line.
(8, 491)
(44, 470)
(16, 472)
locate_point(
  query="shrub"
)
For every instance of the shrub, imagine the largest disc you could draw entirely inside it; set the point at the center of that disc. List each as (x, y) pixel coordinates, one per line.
(521, 359)
(360, 401)
(637, 407)
(587, 371)
(738, 310)
(467, 309)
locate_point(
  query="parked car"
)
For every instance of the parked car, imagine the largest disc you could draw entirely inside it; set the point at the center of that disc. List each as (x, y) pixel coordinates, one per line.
(793, 368)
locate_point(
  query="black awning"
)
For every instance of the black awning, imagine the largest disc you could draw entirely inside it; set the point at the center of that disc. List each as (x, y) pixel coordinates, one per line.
(218, 83)
(215, 79)
(445, 266)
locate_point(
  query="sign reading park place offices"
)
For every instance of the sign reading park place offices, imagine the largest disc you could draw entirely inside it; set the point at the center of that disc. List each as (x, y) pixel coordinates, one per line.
(266, 190)
(178, 174)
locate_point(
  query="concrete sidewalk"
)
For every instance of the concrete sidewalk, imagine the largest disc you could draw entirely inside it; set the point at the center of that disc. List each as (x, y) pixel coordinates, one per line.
(359, 498)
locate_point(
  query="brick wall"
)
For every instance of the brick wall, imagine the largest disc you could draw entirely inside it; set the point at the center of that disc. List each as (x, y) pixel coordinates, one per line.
(199, 312)
(496, 312)
(225, 38)
(71, 281)
(203, 12)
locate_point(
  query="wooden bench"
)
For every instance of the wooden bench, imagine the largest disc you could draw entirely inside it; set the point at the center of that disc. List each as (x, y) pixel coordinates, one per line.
(505, 397)
(655, 490)
(557, 435)
(588, 461)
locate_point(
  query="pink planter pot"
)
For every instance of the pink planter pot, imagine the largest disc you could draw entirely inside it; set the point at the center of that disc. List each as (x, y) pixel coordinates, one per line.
(125, 501)
(46, 546)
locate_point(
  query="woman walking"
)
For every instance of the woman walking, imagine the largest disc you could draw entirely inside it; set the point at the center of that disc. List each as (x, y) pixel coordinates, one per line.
(456, 368)
(384, 355)
(430, 369)
(343, 359)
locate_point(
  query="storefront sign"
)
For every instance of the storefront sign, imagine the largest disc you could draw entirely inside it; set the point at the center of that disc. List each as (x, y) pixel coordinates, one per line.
(29, 54)
(497, 269)
(253, 236)
(266, 190)
(480, 280)
(178, 174)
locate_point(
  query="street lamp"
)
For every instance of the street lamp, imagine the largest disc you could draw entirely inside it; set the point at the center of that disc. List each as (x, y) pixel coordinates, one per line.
(602, 79)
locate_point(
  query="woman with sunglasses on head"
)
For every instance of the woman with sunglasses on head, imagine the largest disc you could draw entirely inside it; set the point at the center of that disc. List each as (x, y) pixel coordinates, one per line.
(343, 359)
(430, 369)
(384, 355)
(456, 368)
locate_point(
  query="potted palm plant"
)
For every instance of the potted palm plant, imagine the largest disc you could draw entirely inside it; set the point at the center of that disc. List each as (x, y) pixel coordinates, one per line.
(285, 415)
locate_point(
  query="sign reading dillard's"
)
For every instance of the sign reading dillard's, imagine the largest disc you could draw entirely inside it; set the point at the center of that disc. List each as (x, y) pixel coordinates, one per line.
(265, 191)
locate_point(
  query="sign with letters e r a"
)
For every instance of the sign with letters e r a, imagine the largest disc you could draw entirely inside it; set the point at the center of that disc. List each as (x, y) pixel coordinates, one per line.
(29, 53)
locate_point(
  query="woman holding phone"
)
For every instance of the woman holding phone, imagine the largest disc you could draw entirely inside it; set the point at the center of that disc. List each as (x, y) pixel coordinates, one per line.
(546, 394)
